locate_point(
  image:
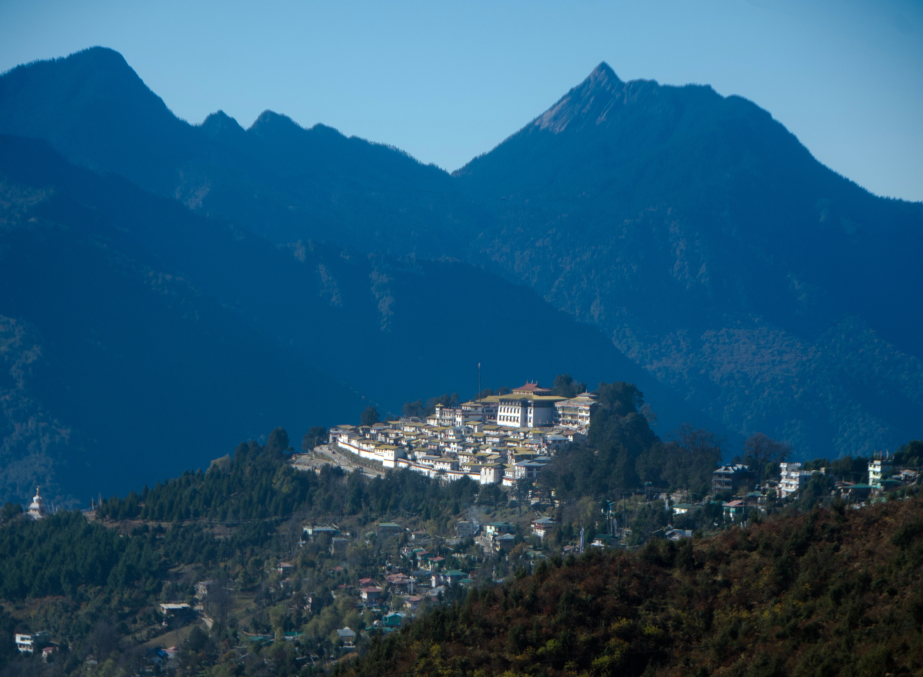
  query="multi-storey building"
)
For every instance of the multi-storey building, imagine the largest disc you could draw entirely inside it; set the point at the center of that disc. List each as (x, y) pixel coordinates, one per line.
(30, 643)
(576, 412)
(880, 469)
(528, 406)
(730, 477)
(793, 479)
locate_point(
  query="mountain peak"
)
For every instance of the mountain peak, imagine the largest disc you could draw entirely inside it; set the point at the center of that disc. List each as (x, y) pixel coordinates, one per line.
(270, 122)
(99, 56)
(220, 124)
(602, 75)
(589, 101)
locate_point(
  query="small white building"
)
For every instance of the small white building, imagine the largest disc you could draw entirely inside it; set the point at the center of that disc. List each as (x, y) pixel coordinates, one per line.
(347, 636)
(542, 526)
(793, 479)
(30, 643)
(880, 469)
(492, 473)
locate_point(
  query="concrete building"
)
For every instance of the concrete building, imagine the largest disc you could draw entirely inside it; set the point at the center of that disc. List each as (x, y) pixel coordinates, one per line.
(347, 636)
(491, 473)
(576, 412)
(793, 479)
(466, 529)
(880, 469)
(528, 406)
(496, 528)
(312, 532)
(30, 643)
(371, 594)
(730, 477)
(542, 526)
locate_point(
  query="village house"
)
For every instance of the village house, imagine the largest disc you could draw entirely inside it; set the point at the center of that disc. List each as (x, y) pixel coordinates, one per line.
(542, 526)
(793, 479)
(734, 509)
(504, 543)
(371, 595)
(412, 603)
(678, 534)
(347, 636)
(312, 532)
(176, 611)
(730, 477)
(466, 529)
(30, 643)
(497, 528)
(880, 470)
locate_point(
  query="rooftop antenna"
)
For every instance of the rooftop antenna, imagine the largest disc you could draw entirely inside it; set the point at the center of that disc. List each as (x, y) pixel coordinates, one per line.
(479, 382)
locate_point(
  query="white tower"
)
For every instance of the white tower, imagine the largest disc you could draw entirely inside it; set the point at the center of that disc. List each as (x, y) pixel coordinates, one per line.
(37, 507)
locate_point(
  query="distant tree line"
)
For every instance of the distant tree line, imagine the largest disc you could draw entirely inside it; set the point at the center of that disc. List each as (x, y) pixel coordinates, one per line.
(257, 483)
(622, 453)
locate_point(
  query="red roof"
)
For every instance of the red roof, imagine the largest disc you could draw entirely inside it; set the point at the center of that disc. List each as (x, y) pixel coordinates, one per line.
(533, 388)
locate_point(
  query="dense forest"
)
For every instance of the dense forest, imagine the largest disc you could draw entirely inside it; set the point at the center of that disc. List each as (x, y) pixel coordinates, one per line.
(826, 592)
(806, 574)
(622, 452)
(257, 483)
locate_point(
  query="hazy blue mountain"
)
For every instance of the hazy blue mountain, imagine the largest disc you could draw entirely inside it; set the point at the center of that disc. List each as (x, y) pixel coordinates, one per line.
(279, 179)
(140, 338)
(720, 255)
(115, 372)
(692, 228)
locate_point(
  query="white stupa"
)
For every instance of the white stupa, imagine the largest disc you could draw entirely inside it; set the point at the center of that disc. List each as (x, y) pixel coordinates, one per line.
(37, 507)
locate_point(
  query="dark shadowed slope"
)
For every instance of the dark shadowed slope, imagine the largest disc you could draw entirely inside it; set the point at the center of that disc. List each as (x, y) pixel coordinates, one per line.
(830, 592)
(697, 232)
(122, 285)
(279, 179)
(720, 255)
(115, 372)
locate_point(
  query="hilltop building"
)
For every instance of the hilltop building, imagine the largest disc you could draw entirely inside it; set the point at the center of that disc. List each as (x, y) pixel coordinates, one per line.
(493, 440)
(576, 412)
(528, 406)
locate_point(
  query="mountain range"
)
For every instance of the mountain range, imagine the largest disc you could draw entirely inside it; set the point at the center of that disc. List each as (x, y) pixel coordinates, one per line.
(140, 338)
(664, 235)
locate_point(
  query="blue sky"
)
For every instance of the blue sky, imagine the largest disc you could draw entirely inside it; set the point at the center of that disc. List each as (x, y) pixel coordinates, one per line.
(446, 81)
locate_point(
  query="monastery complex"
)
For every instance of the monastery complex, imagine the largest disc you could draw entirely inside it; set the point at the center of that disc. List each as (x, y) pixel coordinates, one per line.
(494, 440)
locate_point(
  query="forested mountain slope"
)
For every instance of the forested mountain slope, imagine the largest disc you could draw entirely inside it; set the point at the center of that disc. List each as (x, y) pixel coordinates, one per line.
(693, 229)
(717, 253)
(147, 335)
(115, 372)
(829, 592)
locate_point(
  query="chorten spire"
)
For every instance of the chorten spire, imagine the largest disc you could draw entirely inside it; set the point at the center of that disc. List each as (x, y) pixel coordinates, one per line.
(37, 507)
